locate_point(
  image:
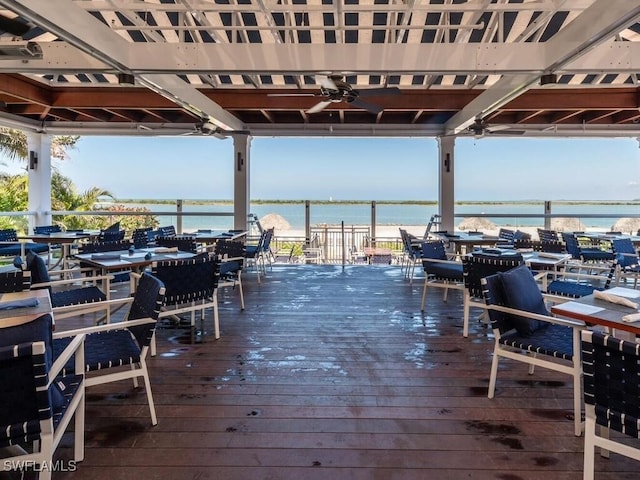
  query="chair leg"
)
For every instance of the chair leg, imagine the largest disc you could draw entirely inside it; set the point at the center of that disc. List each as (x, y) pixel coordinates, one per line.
(589, 449)
(216, 320)
(465, 319)
(78, 440)
(152, 345)
(424, 295)
(147, 387)
(604, 433)
(494, 373)
(577, 397)
(241, 291)
(134, 378)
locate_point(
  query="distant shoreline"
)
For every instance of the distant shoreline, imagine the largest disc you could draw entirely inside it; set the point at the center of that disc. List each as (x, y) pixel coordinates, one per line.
(145, 201)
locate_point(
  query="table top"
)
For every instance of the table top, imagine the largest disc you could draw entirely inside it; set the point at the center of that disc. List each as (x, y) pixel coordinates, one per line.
(215, 235)
(600, 312)
(18, 316)
(376, 251)
(123, 259)
(469, 238)
(59, 237)
(545, 258)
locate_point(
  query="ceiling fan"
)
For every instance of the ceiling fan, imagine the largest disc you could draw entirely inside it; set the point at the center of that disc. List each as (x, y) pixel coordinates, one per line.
(207, 128)
(479, 128)
(333, 89)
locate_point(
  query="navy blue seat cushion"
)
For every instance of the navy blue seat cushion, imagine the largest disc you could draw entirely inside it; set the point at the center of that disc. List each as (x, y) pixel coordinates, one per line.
(522, 293)
(554, 340)
(446, 271)
(38, 330)
(570, 289)
(596, 254)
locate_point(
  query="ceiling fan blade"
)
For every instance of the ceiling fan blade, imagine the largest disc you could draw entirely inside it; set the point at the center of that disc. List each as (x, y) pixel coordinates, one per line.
(508, 132)
(292, 95)
(319, 106)
(497, 128)
(366, 105)
(370, 92)
(327, 83)
(13, 26)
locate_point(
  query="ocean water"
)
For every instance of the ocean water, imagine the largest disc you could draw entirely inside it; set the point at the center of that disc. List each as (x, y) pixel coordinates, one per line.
(511, 215)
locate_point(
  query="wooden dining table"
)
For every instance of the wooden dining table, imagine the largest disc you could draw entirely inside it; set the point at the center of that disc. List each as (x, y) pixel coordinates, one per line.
(464, 241)
(18, 316)
(594, 311)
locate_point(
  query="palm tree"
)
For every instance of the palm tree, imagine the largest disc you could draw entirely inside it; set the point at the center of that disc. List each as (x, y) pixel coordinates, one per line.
(64, 196)
(13, 144)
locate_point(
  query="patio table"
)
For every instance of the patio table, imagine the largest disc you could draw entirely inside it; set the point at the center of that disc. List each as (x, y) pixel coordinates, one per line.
(594, 311)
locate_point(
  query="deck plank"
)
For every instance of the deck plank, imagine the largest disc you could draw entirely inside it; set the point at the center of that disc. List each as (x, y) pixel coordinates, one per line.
(336, 374)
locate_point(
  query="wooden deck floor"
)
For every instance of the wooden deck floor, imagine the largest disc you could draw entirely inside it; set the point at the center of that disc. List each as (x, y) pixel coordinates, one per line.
(335, 374)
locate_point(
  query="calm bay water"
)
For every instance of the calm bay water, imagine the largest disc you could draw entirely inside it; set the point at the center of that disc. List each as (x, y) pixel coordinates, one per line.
(396, 214)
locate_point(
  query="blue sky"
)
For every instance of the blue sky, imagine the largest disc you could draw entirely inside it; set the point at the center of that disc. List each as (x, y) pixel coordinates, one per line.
(362, 169)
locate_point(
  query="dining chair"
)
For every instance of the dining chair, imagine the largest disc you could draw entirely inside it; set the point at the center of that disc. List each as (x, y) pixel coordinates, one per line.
(38, 401)
(440, 269)
(550, 246)
(412, 253)
(118, 351)
(91, 296)
(10, 246)
(477, 265)
(14, 279)
(586, 254)
(627, 258)
(141, 237)
(230, 255)
(191, 288)
(611, 380)
(184, 243)
(525, 331)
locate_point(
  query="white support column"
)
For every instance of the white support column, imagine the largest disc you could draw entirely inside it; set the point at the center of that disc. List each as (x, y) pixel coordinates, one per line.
(39, 167)
(446, 182)
(241, 197)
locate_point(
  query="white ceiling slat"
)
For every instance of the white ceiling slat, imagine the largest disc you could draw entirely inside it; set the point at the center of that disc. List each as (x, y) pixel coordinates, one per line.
(614, 57)
(596, 24)
(76, 26)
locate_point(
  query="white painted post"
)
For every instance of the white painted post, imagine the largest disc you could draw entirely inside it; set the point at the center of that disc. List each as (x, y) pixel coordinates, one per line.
(241, 184)
(446, 182)
(39, 169)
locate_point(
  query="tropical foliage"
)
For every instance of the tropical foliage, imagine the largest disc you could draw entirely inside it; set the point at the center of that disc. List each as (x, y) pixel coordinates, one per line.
(13, 144)
(64, 194)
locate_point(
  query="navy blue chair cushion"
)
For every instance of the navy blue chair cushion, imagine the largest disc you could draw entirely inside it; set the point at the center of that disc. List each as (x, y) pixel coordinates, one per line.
(566, 288)
(522, 293)
(446, 271)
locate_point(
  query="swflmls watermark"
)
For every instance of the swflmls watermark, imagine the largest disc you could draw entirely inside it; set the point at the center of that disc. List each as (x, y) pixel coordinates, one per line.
(33, 466)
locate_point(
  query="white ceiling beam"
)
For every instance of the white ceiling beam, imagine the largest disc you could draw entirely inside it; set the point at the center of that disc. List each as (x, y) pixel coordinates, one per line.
(251, 59)
(73, 24)
(598, 23)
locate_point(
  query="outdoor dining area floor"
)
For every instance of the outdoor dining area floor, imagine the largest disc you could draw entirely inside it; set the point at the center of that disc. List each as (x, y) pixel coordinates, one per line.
(335, 373)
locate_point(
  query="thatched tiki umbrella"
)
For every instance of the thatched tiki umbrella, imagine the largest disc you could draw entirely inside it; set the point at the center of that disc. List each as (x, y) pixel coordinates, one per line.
(275, 221)
(476, 224)
(567, 225)
(627, 225)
